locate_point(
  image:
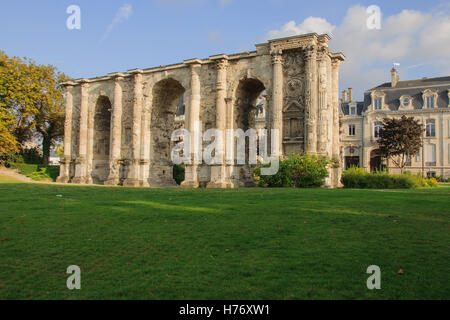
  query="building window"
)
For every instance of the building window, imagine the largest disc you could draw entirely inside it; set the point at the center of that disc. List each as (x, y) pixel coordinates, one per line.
(418, 157)
(430, 155)
(431, 128)
(351, 130)
(377, 127)
(430, 102)
(352, 110)
(408, 162)
(260, 111)
(431, 174)
(378, 104)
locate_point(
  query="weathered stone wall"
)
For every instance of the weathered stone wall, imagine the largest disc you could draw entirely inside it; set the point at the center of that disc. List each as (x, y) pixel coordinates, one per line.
(118, 127)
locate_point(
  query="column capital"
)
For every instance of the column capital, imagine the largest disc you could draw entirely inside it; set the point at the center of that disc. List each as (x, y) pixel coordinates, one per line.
(68, 85)
(136, 71)
(221, 64)
(335, 63)
(310, 51)
(84, 83)
(193, 62)
(117, 76)
(277, 57)
(323, 52)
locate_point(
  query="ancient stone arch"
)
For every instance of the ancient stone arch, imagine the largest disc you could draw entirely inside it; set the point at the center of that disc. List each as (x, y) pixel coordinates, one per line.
(299, 77)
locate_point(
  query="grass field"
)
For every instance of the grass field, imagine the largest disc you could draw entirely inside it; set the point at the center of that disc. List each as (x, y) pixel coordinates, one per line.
(38, 171)
(222, 244)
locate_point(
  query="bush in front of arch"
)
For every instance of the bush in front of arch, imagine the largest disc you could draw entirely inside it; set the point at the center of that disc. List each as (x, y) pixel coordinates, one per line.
(296, 171)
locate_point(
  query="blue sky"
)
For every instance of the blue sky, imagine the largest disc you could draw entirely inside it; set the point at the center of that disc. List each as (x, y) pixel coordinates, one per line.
(159, 32)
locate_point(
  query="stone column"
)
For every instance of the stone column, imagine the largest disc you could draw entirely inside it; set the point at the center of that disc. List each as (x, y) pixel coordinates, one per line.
(335, 107)
(90, 142)
(322, 123)
(80, 163)
(336, 141)
(116, 133)
(133, 173)
(191, 117)
(311, 98)
(218, 172)
(146, 139)
(64, 173)
(145, 146)
(277, 97)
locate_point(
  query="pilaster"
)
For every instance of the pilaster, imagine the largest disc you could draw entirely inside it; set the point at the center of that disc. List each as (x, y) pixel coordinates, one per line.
(134, 167)
(116, 133)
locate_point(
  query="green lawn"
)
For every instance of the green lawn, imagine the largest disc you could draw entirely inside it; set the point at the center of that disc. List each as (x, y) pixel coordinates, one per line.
(38, 171)
(222, 244)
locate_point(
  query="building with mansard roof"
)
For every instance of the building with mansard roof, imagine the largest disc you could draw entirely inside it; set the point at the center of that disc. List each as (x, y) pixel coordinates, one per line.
(426, 99)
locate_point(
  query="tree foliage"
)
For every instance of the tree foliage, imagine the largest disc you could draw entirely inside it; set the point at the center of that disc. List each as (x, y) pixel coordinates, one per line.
(400, 140)
(31, 103)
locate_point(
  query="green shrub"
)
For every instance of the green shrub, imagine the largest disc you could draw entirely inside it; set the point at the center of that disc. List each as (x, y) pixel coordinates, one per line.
(404, 181)
(178, 173)
(298, 171)
(359, 179)
(7, 159)
(432, 182)
(355, 178)
(380, 180)
(30, 156)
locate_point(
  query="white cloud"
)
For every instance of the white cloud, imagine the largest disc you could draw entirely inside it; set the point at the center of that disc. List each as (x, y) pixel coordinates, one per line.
(413, 38)
(122, 14)
(309, 25)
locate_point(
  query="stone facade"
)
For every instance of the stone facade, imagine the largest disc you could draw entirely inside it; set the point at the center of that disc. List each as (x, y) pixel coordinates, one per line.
(426, 100)
(118, 127)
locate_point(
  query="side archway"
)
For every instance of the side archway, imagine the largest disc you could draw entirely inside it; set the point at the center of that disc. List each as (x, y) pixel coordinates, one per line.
(167, 95)
(102, 139)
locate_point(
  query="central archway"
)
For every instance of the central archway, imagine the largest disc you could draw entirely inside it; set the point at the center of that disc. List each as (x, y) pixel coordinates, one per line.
(247, 109)
(167, 95)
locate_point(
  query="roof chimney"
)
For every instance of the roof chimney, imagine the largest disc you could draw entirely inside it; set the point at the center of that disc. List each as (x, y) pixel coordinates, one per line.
(350, 94)
(394, 77)
(344, 96)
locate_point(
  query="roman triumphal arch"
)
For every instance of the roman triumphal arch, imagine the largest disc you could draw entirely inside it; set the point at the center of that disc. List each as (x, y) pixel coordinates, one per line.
(118, 127)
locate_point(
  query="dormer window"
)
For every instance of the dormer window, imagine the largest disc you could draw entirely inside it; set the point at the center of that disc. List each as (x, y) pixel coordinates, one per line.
(378, 103)
(352, 110)
(378, 100)
(406, 102)
(430, 102)
(429, 98)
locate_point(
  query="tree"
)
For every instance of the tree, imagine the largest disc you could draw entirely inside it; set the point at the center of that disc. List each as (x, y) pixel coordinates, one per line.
(49, 121)
(400, 140)
(31, 102)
